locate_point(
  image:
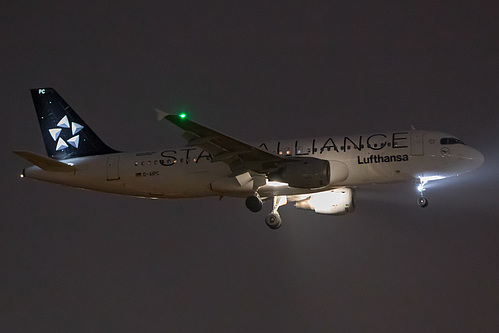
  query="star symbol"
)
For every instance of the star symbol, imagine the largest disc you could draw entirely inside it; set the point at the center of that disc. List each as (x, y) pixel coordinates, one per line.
(55, 133)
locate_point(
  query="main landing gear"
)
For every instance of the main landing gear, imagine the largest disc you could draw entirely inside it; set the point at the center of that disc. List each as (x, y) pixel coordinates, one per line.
(422, 201)
(273, 220)
(254, 203)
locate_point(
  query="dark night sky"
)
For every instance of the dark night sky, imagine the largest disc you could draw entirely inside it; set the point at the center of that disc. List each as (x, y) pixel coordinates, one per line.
(75, 260)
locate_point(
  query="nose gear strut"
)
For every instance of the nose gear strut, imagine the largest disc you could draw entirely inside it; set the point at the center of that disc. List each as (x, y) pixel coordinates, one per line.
(422, 201)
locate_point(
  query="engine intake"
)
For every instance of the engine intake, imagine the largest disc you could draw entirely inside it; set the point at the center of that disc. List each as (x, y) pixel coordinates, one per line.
(336, 202)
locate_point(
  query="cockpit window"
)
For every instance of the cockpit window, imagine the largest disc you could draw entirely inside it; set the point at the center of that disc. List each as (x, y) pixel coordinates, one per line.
(450, 141)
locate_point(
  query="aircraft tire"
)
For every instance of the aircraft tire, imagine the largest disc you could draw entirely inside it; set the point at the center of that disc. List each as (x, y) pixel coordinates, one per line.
(423, 202)
(254, 203)
(273, 221)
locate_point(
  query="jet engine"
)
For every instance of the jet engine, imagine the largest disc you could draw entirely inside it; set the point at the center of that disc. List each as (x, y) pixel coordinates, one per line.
(310, 173)
(336, 202)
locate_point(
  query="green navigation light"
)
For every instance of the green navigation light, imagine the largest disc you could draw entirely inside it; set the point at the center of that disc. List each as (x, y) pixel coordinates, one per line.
(182, 115)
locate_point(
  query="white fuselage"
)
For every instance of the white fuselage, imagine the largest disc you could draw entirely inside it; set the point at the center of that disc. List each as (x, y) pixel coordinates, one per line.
(189, 171)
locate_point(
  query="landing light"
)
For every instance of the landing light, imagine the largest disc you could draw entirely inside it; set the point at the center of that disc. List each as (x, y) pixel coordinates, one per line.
(275, 184)
(425, 179)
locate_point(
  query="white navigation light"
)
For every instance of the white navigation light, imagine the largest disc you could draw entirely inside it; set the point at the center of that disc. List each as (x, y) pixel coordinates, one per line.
(75, 128)
(74, 141)
(64, 122)
(61, 144)
(55, 132)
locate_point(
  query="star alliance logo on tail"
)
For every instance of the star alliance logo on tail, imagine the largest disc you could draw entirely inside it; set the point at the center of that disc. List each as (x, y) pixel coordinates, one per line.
(55, 133)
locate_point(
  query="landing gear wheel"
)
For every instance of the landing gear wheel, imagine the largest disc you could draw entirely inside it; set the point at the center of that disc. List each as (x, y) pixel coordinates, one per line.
(423, 202)
(254, 203)
(273, 220)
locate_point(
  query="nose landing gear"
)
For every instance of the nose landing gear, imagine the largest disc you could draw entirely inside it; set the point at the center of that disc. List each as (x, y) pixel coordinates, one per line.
(422, 201)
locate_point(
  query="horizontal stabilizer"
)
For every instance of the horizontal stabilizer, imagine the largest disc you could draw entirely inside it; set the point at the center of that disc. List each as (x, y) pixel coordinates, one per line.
(45, 163)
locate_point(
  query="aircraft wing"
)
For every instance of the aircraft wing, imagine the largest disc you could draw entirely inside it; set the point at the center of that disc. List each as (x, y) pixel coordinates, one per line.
(240, 156)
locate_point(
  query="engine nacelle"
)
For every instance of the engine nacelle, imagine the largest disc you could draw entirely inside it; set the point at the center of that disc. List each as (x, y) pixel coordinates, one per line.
(310, 173)
(336, 202)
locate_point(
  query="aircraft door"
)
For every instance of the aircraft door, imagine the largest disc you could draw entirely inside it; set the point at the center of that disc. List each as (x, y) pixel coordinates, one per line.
(112, 167)
(417, 143)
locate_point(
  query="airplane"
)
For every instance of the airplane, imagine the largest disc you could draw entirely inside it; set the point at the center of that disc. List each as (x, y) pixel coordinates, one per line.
(318, 174)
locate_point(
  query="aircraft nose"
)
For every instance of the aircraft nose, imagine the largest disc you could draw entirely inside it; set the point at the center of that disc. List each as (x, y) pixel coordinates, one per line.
(476, 158)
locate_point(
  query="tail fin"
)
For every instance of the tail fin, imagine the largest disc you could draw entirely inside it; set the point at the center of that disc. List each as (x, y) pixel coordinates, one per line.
(65, 134)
